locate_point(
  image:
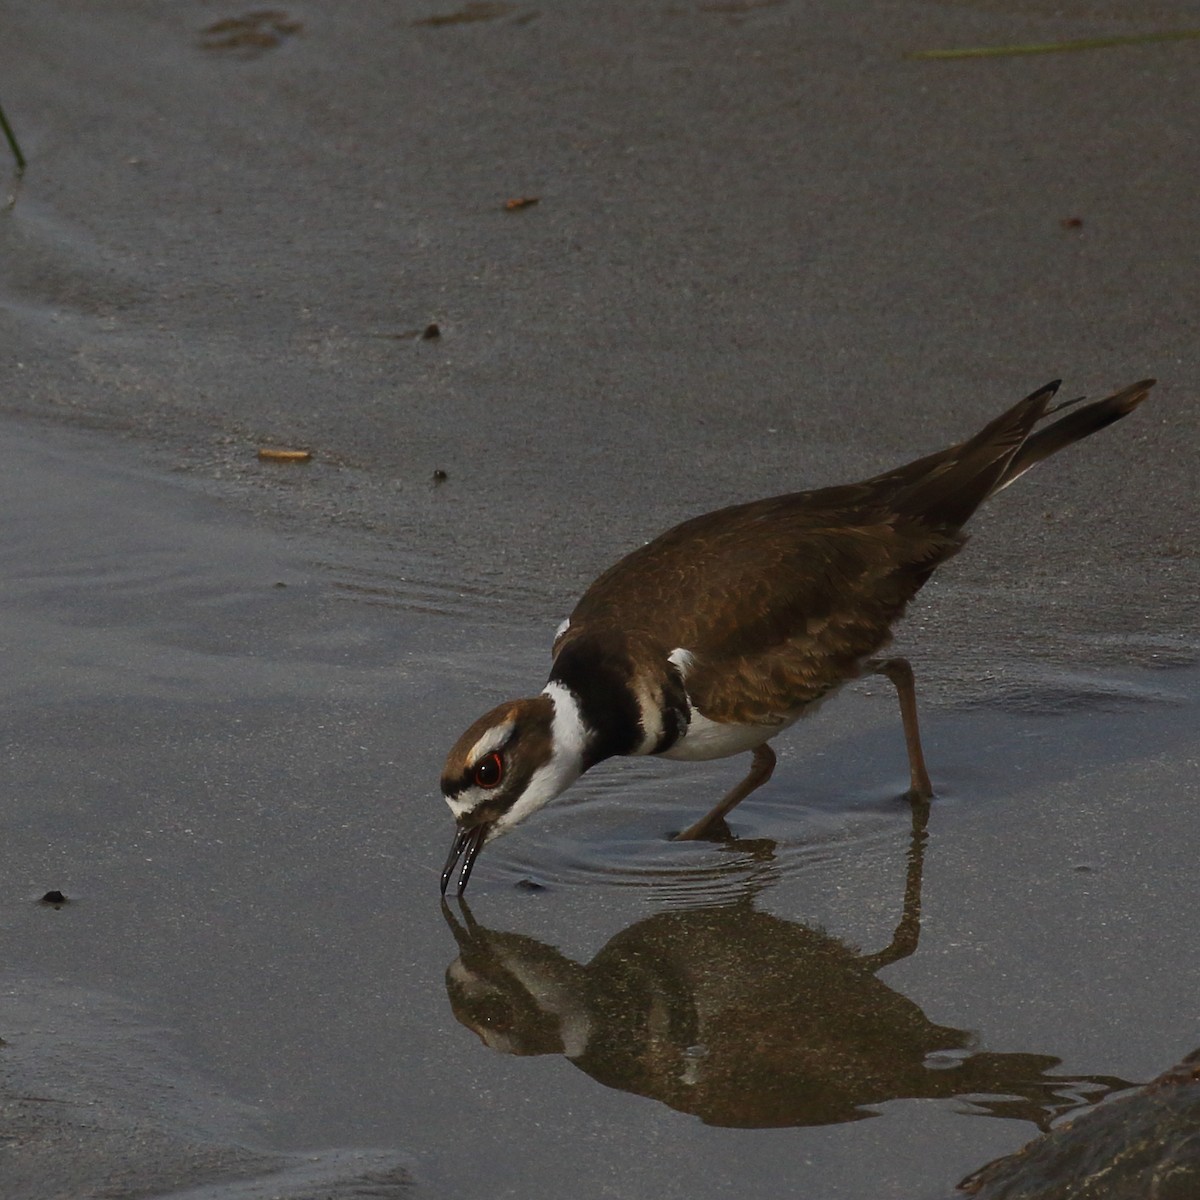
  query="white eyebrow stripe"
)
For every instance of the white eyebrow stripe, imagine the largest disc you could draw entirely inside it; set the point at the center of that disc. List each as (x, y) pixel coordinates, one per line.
(492, 740)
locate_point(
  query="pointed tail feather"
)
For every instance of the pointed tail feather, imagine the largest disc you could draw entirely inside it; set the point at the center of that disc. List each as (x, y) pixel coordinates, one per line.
(1071, 428)
(947, 487)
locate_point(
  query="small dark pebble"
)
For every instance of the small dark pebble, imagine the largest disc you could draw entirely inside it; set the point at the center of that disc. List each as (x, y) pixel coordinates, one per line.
(1072, 222)
(440, 476)
(529, 885)
(54, 897)
(280, 583)
(431, 331)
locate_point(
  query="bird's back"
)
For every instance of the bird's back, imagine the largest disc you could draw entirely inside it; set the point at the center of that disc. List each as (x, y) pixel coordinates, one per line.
(779, 600)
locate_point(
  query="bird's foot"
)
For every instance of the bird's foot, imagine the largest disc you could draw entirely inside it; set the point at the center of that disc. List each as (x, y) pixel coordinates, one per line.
(705, 830)
(918, 796)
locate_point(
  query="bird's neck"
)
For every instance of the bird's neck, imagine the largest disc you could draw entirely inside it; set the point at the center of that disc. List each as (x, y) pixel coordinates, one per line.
(568, 760)
(627, 698)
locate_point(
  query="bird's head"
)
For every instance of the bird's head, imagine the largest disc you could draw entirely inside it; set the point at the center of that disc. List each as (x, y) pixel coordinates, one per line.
(507, 765)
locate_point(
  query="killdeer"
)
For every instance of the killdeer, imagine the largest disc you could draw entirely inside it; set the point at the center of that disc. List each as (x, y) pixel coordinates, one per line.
(719, 634)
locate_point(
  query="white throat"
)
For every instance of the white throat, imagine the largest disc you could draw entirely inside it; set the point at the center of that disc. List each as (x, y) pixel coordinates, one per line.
(568, 741)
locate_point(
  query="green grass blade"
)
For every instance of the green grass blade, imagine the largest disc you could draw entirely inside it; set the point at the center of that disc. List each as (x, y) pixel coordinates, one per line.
(1096, 43)
(11, 138)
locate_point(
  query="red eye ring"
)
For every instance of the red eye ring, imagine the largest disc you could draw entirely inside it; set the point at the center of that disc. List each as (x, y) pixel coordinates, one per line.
(489, 770)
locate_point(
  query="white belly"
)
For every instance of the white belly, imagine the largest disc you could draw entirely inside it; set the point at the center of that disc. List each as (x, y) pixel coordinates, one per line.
(707, 739)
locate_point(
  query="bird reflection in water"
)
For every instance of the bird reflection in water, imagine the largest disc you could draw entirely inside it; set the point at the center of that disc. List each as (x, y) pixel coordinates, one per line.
(744, 1019)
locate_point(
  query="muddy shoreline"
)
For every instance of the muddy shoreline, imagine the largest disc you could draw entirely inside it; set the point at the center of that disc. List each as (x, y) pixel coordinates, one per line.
(769, 251)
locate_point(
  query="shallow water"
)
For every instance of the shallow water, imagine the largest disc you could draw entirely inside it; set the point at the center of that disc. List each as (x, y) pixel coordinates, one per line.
(226, 757)
(771, 251)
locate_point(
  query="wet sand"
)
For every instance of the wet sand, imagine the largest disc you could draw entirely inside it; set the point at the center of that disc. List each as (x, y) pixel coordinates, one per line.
(769, 252)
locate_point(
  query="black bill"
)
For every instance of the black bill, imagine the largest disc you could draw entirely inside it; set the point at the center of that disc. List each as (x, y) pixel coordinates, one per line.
(466, 846)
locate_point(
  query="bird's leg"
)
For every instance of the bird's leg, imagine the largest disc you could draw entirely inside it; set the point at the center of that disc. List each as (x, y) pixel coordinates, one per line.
(760, 772)
(900, 673)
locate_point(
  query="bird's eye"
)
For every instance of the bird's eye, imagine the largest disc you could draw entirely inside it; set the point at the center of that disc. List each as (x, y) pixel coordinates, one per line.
(489, 770)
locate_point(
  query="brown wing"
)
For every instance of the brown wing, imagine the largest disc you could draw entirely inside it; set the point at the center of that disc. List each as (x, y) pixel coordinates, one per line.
(779, 600)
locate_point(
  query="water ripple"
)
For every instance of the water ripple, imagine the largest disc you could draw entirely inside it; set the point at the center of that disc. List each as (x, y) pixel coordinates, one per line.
(616, 834)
